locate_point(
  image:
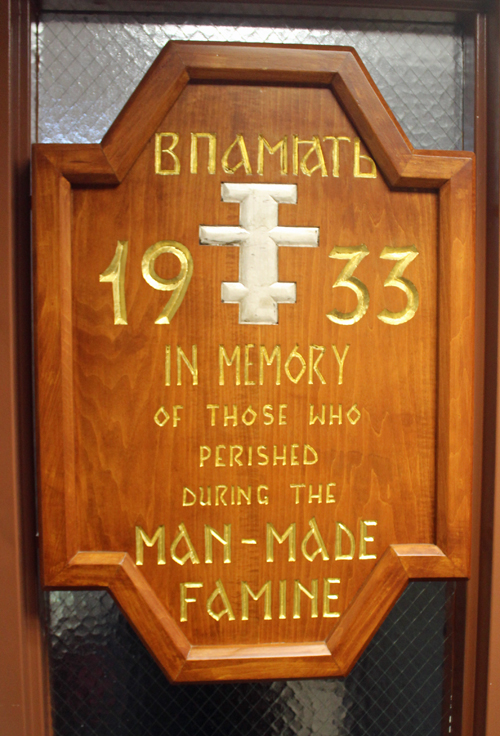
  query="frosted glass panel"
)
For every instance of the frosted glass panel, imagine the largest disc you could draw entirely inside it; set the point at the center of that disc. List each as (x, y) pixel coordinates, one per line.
(89, 66)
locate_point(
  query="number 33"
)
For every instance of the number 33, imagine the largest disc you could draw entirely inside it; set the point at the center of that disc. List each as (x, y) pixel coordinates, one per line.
(354, 256)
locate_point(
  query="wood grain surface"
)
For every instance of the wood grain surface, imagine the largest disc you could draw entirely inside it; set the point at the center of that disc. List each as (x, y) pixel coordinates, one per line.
(402, 454)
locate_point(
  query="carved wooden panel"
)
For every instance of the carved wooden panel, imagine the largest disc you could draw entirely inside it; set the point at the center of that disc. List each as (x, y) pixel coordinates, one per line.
(254, 308)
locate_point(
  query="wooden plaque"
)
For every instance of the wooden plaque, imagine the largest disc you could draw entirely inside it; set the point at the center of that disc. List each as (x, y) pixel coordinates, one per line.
(254, 315)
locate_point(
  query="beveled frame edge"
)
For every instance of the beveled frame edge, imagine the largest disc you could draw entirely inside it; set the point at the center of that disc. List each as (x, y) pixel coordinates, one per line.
(57, 166)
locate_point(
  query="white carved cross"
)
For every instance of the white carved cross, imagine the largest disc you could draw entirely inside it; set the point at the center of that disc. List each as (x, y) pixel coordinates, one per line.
(258, 291)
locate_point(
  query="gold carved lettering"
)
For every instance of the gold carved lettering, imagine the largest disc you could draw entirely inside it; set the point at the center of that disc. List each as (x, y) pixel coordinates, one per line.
(354, 414)
(313, 459)
(208, 502)
(247, 592)
(191, 366)
(211, 534)
(184, 601)
(318, 417)
(161, 417)
(220, 591)
(235, 452)
(311, 594)
(205, 454)
(188, 497)
(338, 543)
(220, 492)
(244, 161)
(277, 457)
(212, 409)
(329, 498)
(354, 255)
(247, 496)
(219, 462)
(315, 147)
(404, 256)
(230, 417)
(272, 534)
(321, 417)
(263, 500)
(337, 416)
(238, 495)
(247, 364)
(190, 554)
(281, 146)
(297, 487)
(282, 599)
(168, 365)
(316, 496)
(340, 361)
(234, 455)
(115, 275)
(358, 157)
(178, 285)
(261, 452)
(224, 358)
(141, 539)
(249, 416)
(328, 596)
(264, 356)
(364, 539)
(316, 535)
(336, 151)
(295, 354)
(159, 150)
(181, 357)
(176, 418)
(313, 362)
(212, 147)
(267, 411)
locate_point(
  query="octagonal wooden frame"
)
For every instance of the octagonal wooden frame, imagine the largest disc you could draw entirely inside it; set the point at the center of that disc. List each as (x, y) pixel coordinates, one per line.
(59, 166)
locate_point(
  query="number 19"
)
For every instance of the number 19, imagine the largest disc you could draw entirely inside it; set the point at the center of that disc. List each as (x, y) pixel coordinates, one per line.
(115, 274)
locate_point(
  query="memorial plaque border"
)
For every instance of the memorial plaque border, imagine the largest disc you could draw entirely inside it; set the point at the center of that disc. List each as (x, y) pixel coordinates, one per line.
(58, 167)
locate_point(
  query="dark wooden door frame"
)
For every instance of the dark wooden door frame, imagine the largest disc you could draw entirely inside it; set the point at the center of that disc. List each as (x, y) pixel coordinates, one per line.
(24, 692)
(487, 604)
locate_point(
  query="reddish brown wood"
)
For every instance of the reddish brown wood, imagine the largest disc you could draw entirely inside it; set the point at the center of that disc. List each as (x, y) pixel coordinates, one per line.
(387, 581)
(81, 163)
(465, 616)
(456, 369)
(23, 692)
(76, 515)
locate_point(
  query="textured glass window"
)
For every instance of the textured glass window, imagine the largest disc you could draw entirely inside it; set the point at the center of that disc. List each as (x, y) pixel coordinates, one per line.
(104, 682)
(89, 66)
